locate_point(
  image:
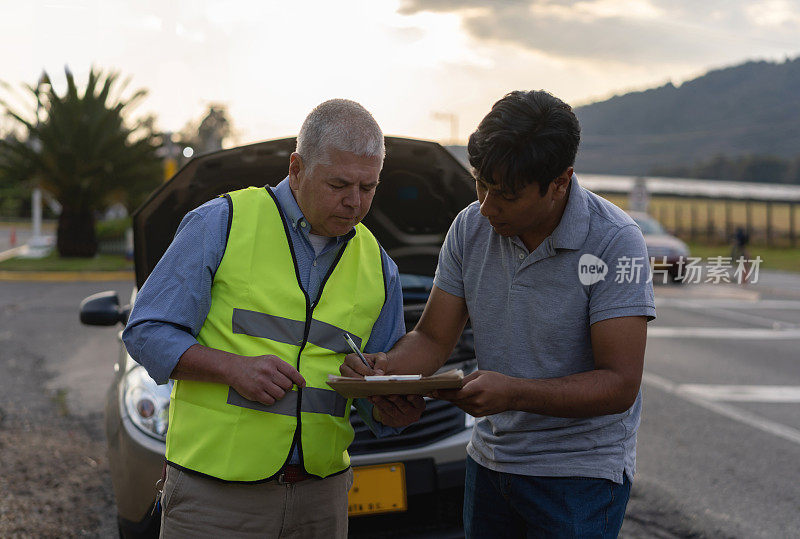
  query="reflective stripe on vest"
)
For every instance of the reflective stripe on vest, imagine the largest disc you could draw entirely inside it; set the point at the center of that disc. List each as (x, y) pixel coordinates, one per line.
(290, 331)
(259, 308)
(315, 401)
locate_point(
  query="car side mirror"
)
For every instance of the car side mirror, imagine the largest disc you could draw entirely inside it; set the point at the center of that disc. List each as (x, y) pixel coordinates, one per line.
(102, 309)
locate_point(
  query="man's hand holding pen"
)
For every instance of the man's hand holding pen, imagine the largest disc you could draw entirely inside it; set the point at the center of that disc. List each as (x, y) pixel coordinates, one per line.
(373, 364)
(391, 410)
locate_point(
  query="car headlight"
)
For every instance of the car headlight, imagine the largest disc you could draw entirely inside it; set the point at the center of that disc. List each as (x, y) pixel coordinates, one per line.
(146, 403)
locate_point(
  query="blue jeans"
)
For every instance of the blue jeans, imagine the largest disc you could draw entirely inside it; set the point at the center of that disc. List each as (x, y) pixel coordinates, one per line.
(507, 505)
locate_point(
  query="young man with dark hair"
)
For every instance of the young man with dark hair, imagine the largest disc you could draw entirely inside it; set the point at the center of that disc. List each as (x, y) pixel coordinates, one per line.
(535, 264)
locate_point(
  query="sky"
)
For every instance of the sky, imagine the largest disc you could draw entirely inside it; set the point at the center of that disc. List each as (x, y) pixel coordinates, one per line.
(415, 64)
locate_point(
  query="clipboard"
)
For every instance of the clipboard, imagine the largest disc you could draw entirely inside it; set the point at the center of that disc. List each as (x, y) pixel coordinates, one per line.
(359, 387)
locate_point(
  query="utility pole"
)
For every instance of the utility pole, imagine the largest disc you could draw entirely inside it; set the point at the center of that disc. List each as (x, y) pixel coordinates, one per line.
(38, 246)
(453, 119)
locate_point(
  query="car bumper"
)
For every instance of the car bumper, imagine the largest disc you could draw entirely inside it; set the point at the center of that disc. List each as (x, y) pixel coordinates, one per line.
(135, 461)
(435, 495)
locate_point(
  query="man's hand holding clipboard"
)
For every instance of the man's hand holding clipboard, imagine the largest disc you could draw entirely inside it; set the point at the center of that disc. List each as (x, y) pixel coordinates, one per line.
(393, 410)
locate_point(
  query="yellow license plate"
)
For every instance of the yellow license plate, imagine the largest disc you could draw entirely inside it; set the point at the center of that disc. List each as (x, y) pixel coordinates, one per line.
(377, 489)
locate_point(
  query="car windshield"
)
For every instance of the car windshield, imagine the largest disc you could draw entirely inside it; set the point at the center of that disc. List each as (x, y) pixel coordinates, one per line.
(649, 226)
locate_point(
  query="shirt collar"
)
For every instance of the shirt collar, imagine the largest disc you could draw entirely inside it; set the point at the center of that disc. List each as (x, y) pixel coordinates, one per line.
(573, 228)
(293, 213)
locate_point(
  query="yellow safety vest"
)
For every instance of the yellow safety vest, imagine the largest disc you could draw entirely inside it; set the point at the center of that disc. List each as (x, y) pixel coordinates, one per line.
(258, 307)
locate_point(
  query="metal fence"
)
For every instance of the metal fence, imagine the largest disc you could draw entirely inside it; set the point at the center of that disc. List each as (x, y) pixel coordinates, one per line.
(711, 211)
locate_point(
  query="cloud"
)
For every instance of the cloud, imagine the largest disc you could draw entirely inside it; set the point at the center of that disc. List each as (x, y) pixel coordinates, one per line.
(774, 13)
(630, 31)
(410, 7)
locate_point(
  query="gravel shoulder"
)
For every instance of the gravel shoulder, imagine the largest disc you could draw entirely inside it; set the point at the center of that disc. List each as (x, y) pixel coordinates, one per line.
(54, 479)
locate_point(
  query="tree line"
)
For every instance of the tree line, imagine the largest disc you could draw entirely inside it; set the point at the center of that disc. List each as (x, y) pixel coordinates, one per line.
(744, 168)
(750, 110)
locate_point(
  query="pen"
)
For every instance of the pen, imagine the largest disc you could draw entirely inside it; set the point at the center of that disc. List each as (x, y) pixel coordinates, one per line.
(355, 349)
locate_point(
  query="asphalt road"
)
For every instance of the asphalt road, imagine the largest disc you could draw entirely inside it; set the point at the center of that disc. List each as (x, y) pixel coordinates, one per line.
(719, 445)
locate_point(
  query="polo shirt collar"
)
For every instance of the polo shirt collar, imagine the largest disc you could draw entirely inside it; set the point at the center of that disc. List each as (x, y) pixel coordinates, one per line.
(292, 211)
(573, 228)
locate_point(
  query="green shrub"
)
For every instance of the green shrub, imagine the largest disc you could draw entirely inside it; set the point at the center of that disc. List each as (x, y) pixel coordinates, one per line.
(113, 229)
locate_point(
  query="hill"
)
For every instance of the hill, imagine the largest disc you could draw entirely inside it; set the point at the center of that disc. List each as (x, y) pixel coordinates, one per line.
(752, 108)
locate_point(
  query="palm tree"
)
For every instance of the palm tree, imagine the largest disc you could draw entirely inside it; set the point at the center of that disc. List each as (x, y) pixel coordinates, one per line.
(82, 152)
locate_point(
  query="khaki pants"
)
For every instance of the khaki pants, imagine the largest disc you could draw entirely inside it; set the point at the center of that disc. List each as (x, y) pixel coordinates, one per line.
(196, 506)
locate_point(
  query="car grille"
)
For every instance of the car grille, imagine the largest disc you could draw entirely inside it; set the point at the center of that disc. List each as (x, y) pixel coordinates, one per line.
(439, 420)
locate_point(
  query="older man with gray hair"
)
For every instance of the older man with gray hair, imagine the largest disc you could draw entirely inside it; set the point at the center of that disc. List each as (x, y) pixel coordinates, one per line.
(246, 311)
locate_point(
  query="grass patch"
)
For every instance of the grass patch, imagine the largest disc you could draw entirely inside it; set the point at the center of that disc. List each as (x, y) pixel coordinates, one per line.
(772, 258)
(113, 229)
(60, 400)
(53, 262)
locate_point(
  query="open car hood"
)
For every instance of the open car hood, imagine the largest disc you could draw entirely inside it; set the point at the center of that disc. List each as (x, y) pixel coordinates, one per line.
(422, 189)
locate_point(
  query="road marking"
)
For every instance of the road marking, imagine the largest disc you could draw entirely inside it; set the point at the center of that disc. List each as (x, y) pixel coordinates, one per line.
(748, 318)
(722, 333)
(707, 291)
(13, 252)
(729, 310)
(718, 392)
(731, 412)
(782, 304)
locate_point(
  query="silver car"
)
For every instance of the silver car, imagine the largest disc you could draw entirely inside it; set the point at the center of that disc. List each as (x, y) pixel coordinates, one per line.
(666, 252)
(412, 481)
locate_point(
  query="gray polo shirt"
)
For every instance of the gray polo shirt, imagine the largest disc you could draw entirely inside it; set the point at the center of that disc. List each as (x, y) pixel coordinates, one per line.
(531, 314)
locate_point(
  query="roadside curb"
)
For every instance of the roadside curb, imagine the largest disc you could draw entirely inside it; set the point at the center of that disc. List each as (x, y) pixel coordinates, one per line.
(66, 276)
(706, 291)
